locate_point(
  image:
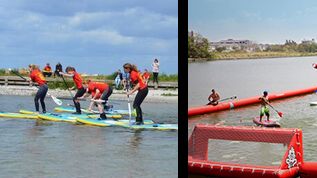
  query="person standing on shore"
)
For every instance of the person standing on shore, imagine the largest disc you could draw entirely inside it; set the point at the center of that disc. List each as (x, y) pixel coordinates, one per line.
(37, 76)
(155, 70)
(137, 81)
(118, 79)
(71, 72)
(58, 68)
(215, 98)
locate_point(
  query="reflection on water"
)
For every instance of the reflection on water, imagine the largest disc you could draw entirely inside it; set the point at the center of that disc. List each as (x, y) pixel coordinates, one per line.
(35, 148)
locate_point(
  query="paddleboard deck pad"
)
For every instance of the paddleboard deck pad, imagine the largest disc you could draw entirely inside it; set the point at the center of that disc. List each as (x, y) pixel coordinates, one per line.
(265, 123)
(114, 112)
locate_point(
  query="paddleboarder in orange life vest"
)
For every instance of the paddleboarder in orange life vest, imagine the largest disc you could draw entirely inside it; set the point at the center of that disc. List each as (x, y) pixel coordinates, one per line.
(215, 98)
(264, 106)
(37, 76)
(71, 72)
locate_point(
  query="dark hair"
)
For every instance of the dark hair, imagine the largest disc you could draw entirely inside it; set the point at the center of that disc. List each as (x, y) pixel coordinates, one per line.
(130, 66)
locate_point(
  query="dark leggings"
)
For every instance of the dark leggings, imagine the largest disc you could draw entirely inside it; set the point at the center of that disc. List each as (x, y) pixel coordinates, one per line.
(105, 95)
(155, 77)
(137, 103)
(40, 95)
(80, 93)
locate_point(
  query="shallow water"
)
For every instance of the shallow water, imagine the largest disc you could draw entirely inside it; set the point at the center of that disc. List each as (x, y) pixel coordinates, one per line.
(248, 78)
(34, 148)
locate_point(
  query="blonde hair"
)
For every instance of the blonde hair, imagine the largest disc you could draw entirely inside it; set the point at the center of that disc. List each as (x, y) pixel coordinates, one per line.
(33, 66)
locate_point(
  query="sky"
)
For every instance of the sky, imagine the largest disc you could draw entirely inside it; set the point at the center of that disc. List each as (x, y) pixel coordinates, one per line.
(266, 21)
(94, 36)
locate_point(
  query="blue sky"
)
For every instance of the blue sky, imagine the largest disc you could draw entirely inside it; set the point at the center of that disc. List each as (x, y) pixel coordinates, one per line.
(94, 36)
(268, 21)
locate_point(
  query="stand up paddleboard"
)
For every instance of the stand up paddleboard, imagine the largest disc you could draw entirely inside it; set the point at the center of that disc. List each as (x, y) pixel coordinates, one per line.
(266, 123)
(107, 122)
(17, 115)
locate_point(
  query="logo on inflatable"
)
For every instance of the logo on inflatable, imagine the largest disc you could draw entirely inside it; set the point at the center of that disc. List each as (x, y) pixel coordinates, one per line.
(291, 158)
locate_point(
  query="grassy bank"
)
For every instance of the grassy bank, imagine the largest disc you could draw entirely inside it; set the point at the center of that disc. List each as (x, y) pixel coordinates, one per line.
(252, 55)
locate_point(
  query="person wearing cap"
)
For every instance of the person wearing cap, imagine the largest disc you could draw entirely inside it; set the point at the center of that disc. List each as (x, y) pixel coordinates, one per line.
(37, 76)
(47, 71)
(215, 98)
(264, 106)
(140, 86)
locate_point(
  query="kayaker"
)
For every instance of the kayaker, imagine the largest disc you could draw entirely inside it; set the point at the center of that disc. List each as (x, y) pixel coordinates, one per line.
(137, 80)
(71, 72)
(37, 76)
(215, 98)
(264, 106)
(99, 90)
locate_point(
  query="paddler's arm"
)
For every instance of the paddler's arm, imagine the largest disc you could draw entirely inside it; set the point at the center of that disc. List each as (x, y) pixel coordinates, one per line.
(209, 97)
(96, 94)
(91, 105)
(66, 74)
(136, 87)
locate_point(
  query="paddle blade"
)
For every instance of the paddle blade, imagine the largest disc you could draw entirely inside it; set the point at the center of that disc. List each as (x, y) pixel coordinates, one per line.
(280, 114)
(56, 100)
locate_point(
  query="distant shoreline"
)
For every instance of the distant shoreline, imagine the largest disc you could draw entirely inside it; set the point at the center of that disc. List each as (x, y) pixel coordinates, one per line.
(259, 55)
(154, 96)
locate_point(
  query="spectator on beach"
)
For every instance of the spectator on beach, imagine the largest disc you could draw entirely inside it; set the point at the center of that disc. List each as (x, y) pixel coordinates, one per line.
(58, 68)
(118, 79)
(126, 80)
(47, 71)
(146, 76)
(155, 70)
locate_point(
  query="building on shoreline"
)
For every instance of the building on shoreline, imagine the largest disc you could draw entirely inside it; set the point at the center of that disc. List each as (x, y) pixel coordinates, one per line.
(234, 45)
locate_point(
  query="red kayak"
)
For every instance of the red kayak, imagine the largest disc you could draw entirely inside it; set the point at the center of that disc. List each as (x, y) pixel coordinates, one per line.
(266, 123)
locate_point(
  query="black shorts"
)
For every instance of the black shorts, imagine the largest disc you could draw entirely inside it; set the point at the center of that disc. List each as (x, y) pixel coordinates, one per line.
(80, 92)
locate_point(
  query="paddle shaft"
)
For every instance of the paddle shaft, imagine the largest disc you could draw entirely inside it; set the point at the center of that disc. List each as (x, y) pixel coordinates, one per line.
(67, 86)
(232, 97)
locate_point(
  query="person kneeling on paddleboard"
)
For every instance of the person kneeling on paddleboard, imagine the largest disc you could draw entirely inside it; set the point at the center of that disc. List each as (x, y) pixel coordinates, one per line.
(37, 76)
(141, 86)
(215, 98)
(71, 72)
(264, 108)
(99, 91)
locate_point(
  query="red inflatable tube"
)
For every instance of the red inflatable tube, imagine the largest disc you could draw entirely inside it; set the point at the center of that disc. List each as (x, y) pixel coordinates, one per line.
(245, 102)
(308, 170)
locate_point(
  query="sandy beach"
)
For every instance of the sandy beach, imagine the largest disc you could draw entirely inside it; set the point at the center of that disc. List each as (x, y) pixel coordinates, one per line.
(153, 95)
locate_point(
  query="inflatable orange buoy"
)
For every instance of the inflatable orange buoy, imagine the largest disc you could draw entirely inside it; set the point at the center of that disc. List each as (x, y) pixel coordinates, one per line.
(314, 65)
(248, 101)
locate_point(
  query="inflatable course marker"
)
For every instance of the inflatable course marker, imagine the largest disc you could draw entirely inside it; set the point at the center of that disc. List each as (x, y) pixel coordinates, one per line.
(198, 162)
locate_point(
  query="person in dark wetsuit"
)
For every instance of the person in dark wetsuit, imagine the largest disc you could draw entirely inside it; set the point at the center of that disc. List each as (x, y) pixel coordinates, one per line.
(58, 68)
(71, 72)
(37, 76)
(137, 80)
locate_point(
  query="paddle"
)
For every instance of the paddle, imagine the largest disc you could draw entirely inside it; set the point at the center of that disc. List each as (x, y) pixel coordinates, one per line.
(56, 100)
(129, 107)
(67, 86)
(232, 97)
(279, 113)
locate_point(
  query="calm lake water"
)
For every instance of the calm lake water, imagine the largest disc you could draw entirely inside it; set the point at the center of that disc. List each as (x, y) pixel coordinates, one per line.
(247, 78)
(34, 148)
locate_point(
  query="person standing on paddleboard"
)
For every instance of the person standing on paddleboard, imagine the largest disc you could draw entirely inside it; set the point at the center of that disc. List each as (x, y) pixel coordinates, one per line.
(71, 72)
(99, 90)
(37, 76)
(215, 98)
(264, 106)
(139, 85)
